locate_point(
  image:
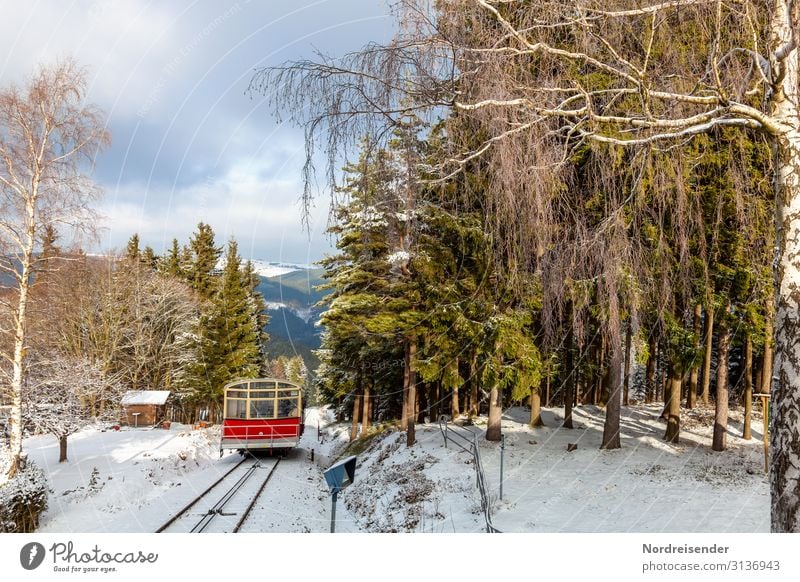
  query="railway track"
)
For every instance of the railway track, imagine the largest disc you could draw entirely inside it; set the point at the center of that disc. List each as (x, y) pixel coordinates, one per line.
(226, 504)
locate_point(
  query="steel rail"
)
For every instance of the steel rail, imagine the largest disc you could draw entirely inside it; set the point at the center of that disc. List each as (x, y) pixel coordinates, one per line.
(191, 504)
(255, 498)
(217, 508)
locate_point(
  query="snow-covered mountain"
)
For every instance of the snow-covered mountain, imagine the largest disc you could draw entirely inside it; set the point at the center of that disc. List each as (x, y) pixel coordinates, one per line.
(275, 269)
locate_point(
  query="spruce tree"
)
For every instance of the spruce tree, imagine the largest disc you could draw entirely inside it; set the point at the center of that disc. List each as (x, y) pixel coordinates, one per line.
(204, 257)
(258, 312)
(149, 258)
(226, 337)
(132, 250)
(170, 264)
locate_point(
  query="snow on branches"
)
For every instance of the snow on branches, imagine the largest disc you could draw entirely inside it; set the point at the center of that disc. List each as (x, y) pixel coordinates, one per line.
(65, 394)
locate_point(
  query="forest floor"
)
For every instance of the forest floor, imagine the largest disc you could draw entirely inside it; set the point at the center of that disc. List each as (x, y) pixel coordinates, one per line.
(132, 480)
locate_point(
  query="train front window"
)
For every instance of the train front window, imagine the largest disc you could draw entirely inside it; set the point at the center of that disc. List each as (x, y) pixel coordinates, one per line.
(262, 394)
(262, 385)
(262, 409)
(287, 408)
(236, 408)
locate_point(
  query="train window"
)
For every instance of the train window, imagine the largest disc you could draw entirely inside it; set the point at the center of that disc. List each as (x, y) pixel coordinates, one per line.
(237, 394)
(236, 409)
(262, 394)
(287, 407)
(284, 393)
(262, 385)
(262, 409)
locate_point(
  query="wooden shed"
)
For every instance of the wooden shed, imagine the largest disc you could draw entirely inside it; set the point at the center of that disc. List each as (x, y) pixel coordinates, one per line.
(144, 407)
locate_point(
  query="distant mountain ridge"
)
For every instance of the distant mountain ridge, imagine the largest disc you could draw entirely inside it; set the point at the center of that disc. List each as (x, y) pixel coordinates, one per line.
(290, 293)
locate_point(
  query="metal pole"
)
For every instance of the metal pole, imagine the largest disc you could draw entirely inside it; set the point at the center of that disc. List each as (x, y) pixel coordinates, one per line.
(333, 511)
(502, 454)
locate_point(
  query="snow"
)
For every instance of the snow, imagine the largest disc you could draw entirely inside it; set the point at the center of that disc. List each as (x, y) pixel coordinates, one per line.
(647, 486)
(26, 491)
(134, 397)
(132, 480)
(271, 270)
(398, 258)
(304, 313)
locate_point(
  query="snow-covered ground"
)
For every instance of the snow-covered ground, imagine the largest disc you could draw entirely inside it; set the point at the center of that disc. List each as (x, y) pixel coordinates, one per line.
(133, 480)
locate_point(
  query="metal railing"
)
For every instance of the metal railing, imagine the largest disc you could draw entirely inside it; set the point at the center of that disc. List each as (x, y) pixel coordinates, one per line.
(467, 441)
(259, 433)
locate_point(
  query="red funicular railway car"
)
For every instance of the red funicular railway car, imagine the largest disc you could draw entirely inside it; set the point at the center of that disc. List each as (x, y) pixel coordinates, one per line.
(262, 414)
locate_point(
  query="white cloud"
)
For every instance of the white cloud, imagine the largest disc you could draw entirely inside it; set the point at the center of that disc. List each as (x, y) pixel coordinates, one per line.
(189, 145)
(261, 213)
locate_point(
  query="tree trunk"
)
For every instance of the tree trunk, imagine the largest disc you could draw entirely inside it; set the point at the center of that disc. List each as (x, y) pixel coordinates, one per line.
(674, 404)
(721, 410)
(598, 384)
(691, 396)
(785, 393)
(748, 388)
(650, 372)
(435, 403)
(474, 405)
(494, 429)
(709, 338)
(667, 391)
(423, 410)
(569, 381)
(20, 331)
(366, 405)
(62, 448)
(356, 415)
(370, 406)
(769, 349)
(454, 411)
(406, 384)
(611, 438)
(412, 394)
(627, 384)
(536, 407)
(547, 392)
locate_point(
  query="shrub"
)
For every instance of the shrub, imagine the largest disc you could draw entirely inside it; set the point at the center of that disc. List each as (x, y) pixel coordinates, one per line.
(22, 500)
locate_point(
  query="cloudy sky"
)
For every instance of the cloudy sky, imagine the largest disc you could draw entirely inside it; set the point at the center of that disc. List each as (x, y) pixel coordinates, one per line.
(189, 144)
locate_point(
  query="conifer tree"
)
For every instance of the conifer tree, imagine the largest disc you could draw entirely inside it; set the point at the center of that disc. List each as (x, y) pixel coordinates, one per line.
(227, 337)
(258, 311)
(149, 258)
(170, 263)
(132, 251)
(204, 257)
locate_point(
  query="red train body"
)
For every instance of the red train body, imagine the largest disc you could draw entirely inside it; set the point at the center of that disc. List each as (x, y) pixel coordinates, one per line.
(262, 414)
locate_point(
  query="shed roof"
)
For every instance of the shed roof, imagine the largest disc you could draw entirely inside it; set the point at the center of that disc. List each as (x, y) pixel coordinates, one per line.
(157, 397)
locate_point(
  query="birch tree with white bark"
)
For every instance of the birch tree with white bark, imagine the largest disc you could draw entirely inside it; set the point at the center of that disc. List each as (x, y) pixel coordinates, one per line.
(49, 137)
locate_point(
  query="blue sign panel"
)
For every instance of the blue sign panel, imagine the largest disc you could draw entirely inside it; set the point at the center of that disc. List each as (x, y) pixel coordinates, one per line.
(341, 474)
